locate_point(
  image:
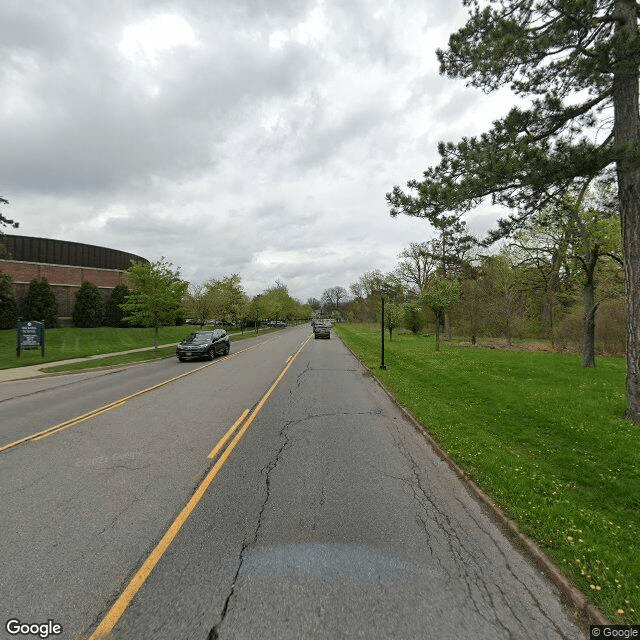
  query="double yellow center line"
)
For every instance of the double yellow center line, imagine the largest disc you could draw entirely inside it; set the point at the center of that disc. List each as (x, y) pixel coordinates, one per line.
(34, 437)
(120, 605)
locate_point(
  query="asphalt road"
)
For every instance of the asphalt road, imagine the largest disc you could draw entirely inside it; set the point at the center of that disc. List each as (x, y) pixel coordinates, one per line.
(330, 518)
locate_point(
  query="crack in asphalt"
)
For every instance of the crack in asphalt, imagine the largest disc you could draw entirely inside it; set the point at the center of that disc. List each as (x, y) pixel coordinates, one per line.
(469, 569)
(273, 463)
(307, 368)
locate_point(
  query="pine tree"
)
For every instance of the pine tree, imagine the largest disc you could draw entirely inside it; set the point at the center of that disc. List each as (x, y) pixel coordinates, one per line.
(574, 59)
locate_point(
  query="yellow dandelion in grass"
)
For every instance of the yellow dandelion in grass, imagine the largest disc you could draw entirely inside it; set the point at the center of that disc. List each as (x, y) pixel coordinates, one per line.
(569, 538)
(621, 612)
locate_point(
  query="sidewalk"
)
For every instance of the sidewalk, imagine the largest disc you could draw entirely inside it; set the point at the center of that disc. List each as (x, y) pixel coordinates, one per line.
(35, 371)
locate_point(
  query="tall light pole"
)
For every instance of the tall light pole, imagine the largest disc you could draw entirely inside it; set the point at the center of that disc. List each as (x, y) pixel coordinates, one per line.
(382, 364)
(385, 290)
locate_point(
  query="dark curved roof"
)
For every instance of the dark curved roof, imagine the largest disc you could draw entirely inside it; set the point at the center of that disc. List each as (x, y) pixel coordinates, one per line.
(49, 251)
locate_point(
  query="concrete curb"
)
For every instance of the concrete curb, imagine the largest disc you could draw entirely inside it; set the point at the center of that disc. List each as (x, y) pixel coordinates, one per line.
(568, 590)
(31, 372)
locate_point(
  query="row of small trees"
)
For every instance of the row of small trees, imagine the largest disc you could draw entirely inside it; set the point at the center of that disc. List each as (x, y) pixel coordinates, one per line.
(159, 296)
(41, 304)
(225, 300)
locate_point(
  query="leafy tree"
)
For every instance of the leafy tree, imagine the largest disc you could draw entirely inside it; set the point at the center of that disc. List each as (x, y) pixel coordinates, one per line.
(392, 316)
(89, 309)
(412, 316)
(277, 303)
(257, 310)
(200, 303)
(365, 305)
(156, 295)
(227, 298)
(416, 265)
(576, 59)
(113, 313)
(471, 307)
(450, 250)
(8, 304)
(586, 228)
(543, 248)
(333, 296)
(41, 303)
(439, 295)
(502, 290)
(367, 284)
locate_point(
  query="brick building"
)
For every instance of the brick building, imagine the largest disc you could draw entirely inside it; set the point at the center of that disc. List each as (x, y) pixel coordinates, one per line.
(66, 265)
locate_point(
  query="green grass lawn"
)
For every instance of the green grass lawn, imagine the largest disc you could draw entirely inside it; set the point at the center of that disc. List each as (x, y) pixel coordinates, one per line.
(544, 438)
(70, 342)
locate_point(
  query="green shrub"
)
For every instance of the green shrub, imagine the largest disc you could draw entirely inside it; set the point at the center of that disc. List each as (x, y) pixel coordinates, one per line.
(88, 310)
(413, 317)
(113, 313)
(8, 304)
(40, 303)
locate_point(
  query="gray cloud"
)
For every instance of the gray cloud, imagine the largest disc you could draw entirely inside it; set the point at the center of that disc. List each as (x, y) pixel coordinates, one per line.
(251, 136)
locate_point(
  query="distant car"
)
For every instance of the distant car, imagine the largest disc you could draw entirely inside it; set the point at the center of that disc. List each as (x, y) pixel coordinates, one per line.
(322, 330)
(204, 344)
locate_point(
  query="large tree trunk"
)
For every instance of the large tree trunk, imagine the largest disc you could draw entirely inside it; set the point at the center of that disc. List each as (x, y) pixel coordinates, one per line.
(547, 306)
(589, 324)
(559, 256)
(627, 137)
(589, 263)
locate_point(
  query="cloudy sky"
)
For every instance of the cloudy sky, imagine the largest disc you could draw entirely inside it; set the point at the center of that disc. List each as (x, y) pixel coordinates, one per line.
(256, 137)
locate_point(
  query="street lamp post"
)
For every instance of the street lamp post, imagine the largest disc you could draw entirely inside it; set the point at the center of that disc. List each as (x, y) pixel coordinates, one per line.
(385, 291)
(382, 365)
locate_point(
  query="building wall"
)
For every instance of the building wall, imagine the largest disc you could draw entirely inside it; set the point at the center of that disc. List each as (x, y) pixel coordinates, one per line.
(64, 280)
(66, 265)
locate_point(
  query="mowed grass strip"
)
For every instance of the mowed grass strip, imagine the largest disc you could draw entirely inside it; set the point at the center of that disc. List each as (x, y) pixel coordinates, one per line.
(70, 342)
(542, 436)
(114, 361)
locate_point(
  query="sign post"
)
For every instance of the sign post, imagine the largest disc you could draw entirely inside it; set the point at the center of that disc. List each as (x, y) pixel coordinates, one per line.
(30, 335)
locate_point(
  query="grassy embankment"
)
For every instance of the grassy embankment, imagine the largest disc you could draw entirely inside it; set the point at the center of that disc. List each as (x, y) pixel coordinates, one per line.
(67, 343)
(544, 438)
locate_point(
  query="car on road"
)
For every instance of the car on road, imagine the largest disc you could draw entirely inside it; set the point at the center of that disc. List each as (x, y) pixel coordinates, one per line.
(204, 344)
(322, 330)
